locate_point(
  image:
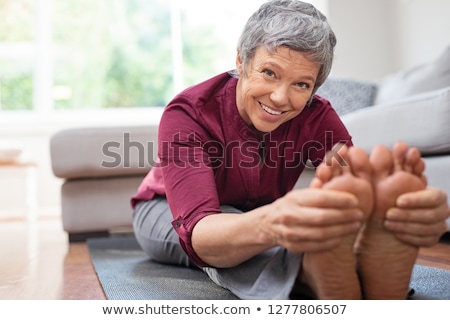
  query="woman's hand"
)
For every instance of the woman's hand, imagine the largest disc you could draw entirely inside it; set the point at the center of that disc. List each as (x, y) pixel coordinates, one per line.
(301, 221)
(420, 217)
(306, 220)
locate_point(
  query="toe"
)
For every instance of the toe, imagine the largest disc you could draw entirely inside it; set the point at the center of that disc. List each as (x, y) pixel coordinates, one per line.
(324, 173)
(381, 161)
(399, 152)
(334, 164)
(414, 162)
(360, 164)
(337, 160)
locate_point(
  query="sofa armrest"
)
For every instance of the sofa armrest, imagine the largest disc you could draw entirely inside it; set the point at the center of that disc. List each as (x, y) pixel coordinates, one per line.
(103, 151)
(421, 121)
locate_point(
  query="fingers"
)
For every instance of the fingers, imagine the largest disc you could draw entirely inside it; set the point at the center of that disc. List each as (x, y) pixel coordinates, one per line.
(420, 215)
(418, 227)
(313, 220)
(428, 198)
(319, 218)
(321, 198)
(317, 208)
(436, 229)
(422, 220)
(419, 241)
(309, 239)
(311, 246)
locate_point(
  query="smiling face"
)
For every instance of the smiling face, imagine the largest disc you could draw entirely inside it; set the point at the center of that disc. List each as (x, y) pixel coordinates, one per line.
(274, 87)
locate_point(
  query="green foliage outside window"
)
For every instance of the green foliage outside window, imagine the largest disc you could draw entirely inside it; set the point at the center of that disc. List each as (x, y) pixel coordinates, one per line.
(16, 79)
(17, 92)
(106, 53)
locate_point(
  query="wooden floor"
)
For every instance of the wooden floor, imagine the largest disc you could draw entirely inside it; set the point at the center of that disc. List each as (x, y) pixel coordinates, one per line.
(37, 262)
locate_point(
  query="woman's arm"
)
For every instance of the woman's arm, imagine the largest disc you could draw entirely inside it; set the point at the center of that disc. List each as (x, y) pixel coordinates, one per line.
(303, 220)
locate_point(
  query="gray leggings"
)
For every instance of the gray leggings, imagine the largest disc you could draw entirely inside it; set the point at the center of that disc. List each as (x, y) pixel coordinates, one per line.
(152, 223)
(269, 275)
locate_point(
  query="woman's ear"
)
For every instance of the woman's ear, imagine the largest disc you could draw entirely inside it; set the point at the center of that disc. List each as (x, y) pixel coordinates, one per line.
(239, 66)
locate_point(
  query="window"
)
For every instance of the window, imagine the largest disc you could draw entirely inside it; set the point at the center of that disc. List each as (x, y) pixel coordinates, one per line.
(74, 54)
(16, 60)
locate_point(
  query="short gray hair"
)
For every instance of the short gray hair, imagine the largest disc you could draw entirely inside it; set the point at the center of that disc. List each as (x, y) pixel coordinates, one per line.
(293, 24)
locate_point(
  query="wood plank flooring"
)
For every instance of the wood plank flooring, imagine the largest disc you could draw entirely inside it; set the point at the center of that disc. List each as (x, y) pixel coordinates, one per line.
(37, 262)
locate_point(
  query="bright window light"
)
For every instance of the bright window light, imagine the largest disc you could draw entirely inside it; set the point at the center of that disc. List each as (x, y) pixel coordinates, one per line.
(84, 54)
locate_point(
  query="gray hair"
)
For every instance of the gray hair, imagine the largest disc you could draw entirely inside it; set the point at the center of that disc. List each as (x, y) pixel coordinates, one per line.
(293, 24)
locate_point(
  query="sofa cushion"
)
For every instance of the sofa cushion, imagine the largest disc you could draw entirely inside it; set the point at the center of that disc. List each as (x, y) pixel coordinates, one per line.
(103, 151)
(347, 95)
(421, 121)
(426, 77)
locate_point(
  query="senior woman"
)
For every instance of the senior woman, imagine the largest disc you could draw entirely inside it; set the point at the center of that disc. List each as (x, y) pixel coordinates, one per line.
(230, 152)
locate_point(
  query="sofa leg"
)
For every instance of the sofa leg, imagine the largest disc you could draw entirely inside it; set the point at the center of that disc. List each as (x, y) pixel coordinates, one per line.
(83, 236)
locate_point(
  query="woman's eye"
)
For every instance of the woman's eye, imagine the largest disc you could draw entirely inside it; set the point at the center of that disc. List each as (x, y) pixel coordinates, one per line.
(303, 85)
(269, 73)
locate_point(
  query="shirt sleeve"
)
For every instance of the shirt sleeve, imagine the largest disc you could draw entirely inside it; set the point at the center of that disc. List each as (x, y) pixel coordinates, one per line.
(188, 175)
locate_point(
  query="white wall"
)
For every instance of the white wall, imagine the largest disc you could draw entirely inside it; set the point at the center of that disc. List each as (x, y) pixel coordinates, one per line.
(364, 37)
(424, 29)
(379, 37)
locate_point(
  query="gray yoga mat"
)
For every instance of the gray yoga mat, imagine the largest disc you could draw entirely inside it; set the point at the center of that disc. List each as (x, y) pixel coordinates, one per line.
(126, 273)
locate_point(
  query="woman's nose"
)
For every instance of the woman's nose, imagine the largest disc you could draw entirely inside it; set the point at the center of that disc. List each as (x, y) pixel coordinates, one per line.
(279, 94)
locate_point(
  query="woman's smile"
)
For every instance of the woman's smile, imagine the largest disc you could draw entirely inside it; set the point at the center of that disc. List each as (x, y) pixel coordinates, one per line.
(269, 110)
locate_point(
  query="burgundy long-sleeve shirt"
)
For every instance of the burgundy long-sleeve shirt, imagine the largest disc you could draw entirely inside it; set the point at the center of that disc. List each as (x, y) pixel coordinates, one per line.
(208, 155)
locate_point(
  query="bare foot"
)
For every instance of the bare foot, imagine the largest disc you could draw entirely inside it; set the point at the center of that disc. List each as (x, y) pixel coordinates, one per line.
(385, 263)
(333, 274)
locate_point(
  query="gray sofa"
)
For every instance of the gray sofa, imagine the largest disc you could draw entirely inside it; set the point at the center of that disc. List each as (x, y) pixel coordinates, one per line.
(102, 167)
